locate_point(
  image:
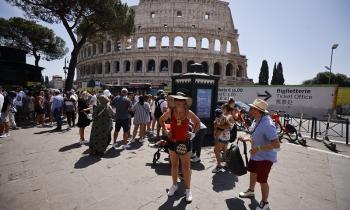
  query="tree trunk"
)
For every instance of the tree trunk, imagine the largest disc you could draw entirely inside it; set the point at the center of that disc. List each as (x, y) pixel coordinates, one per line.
(37, 59)
(71, 69)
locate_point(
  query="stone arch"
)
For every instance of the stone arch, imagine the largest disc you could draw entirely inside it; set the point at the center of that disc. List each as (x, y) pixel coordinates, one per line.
(164, 42)
(151, 66)
(191, 42)
(109, 46)
(100, 48)
(205, 67)
(107, 67)
(217, 45)
(217, 68)
(99, 68)
(229, 70)
(177, 67)
(239, 71)
(228, 47)
(94, 68)
(152, 43)
(118, 46)
(140, 43)
(138, 66)
(94, 49)
(89, 51)
(178, 42)
(205, 43)
(189, 63)
(126, 66)
(116, 66)
(164, 65)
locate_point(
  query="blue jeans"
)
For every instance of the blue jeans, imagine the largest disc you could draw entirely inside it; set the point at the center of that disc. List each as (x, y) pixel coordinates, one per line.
(57, 115)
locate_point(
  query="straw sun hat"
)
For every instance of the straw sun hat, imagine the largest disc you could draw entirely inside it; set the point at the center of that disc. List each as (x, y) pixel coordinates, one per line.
(260, 104)
(180, 96)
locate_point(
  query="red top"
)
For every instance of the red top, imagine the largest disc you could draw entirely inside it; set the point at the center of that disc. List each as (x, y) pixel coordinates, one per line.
(179, 129)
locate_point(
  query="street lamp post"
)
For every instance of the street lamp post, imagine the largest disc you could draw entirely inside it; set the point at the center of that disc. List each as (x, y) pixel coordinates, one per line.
(334, 46)
(65, 68)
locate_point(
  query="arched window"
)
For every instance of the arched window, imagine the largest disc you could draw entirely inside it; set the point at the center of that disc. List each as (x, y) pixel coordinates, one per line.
(164, 65)
(205, 43)
(228, 47)
(100, 47)
(177, 67)
(109, 46)
(94, 68)
(89, 51)
(191, 42)
(217, 68)
(126, 66)
(165, 41)
(116, 66)
(140, 43)
(138, 66)
(152, 42)
(217, 45)
(189, 63)
(229, 69)
(179, 14)
(205, 67)
(107, 67)
(94, 49)
(99, 68)
(151, 66)
(128, 44)
(239, 71)
(178, 41)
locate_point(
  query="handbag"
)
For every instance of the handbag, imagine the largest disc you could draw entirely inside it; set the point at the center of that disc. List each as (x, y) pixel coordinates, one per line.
(181, 148)
(234, 160)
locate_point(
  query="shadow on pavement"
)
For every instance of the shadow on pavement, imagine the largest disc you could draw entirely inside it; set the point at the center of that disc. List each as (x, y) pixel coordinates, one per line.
(161, 168)
(70, 147)
(86, 161)
(54, 131)
(112, 153)
(238, 204)
(169, 203)
(224, 181)
(197, 166)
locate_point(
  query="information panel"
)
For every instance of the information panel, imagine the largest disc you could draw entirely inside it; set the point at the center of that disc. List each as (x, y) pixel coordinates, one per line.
(204, 102)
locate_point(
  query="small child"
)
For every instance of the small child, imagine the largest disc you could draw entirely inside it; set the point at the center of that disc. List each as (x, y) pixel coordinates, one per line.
(222, 126)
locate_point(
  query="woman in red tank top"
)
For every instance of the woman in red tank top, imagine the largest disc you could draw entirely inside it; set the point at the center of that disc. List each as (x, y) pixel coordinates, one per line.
(180, 117)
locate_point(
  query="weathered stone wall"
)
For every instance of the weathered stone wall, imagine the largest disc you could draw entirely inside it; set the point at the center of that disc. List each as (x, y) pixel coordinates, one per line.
(170, 35)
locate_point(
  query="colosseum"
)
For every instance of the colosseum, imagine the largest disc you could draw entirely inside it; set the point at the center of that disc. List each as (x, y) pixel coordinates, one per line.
(170, 35)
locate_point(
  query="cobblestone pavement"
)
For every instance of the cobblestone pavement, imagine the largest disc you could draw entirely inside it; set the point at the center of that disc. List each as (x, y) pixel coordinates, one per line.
(44, 170)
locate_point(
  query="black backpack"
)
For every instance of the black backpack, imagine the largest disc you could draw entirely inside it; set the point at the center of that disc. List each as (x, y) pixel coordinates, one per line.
(233, 133)
(234, 160)
(158, 111)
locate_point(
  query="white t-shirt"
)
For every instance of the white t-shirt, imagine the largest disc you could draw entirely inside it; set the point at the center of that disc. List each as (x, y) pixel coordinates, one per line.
(163, 104)
(19, 98)
(1, 101)
(93, 100)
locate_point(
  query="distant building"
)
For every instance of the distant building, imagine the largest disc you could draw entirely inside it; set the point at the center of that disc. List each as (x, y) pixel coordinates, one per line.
(170, 36)
(57, 82)
(14, 71)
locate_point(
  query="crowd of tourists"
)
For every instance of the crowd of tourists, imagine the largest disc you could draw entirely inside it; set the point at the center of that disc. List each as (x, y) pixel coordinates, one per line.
(162, 116)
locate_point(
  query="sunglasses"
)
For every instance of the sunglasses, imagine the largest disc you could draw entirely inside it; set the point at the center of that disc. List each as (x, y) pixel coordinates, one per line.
(179, 99)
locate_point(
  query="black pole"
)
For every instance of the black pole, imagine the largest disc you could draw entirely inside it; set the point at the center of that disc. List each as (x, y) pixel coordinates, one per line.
(347, 131)
(315, 134)
(312, 127)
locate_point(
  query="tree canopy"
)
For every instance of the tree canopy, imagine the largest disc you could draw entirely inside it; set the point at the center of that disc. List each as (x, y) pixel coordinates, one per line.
(35, 39)
(264, 73)
(83, 20)
(322, 78)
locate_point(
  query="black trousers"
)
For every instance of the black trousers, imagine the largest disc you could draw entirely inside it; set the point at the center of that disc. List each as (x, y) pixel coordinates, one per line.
(197, 142)
(71, 118)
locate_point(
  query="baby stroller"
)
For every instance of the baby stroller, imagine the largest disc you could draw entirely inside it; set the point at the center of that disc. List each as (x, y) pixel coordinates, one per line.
(162, 145)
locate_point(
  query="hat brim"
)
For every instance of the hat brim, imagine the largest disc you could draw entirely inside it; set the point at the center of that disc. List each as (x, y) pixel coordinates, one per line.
(258, 108)
(188, 100)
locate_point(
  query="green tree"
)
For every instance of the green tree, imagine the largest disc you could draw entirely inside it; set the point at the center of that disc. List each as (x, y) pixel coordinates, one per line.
(35, 39)
(323, 78)
(274, 76)
(280, 77)
(83, 20)
(264, 73)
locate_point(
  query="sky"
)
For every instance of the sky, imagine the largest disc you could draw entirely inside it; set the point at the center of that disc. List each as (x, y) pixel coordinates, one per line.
(297, 33)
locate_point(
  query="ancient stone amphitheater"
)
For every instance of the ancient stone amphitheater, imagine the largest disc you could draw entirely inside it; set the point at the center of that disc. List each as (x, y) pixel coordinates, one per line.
(170, 35)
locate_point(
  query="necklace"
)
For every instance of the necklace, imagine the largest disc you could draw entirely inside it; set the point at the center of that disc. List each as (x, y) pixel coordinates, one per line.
(178, 120)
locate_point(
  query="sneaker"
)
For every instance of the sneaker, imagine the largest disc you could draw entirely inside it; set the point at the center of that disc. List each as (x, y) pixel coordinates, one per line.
(217, 169)
(115, 145)
(141, 140)
(247, 194)
(81, 142)
(126, 146)
(195, 160)
(172, 190)
(85, 142)
(3, 135)
(132, 140)
(263, 206)
(188, 195)
(193, 155)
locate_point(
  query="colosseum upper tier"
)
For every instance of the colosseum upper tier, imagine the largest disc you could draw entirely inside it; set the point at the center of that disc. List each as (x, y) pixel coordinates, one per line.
(170, 35)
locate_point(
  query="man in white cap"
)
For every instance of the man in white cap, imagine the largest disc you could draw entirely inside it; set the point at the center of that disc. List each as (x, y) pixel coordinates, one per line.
(263, 154)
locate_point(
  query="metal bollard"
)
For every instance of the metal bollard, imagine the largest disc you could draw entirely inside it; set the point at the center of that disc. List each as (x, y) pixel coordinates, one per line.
(347, 131)
(315, 134)
(312, 127)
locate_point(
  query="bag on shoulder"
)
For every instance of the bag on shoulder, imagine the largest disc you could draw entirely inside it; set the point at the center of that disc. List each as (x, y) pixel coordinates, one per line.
(233, 133)
(158, 110)
(234, 160)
